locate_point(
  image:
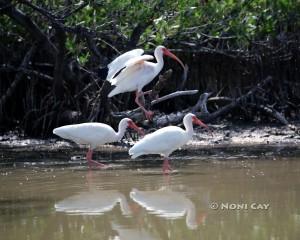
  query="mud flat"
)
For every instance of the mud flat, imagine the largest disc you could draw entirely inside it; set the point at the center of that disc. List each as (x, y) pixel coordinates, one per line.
(225, 142)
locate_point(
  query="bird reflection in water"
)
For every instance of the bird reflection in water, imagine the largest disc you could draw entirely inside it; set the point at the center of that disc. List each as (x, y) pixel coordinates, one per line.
(168, 204)
(93, 201)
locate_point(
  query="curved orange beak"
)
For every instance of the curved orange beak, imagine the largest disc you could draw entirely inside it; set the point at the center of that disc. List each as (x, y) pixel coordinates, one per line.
(199, 122)
(133, 126)
(168, 53)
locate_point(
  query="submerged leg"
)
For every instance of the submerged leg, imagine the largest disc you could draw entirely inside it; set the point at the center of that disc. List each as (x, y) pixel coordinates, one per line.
(89, 155)
(148, 114)
(166, 166)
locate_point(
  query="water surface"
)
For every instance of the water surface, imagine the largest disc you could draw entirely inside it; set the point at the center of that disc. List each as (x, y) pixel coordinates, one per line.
(74, 203)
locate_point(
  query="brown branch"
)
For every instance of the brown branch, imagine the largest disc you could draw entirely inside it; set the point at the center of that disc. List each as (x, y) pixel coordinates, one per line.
(175, 118)
(101, 106)
(272, 112)
(173, 95)
(202, 103)
(93, 48)
(77, 9)
(138, 116)
(59, 64)
(86, 88)
(184, 77)
(18, 77)
(80, 31)
(226, 109)
(19, 17)
(10, 68)
(38, 74)
(161, 83)
(137, 32)
(43, 11)
(142, 26)
(225, 99)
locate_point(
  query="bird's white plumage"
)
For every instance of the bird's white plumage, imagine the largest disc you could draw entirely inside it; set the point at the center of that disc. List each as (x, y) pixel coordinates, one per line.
(137, 72)
(116, 65)
(138, 60)
(134, 78)
(165, 140)
(93, 134)
(133, 67)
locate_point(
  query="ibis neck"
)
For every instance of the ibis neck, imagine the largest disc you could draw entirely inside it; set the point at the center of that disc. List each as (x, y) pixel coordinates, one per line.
(188, 127)
(121, 132)
(160, 60)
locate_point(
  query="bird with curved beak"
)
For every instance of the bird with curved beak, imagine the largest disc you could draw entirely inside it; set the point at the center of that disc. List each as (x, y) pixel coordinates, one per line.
(136, 71)
(95, 134)
(166, 140)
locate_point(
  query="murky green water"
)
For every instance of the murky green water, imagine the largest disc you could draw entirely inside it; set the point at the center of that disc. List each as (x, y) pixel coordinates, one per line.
(257, 199)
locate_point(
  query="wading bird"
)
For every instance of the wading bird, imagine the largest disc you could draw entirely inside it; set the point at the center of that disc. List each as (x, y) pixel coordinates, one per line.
(135, 71)
(95, 134)
(166, 140)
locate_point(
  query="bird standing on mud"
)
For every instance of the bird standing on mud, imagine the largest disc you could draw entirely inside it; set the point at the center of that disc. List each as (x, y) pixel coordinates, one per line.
(95, 134)
(135, 71)
(166, 140)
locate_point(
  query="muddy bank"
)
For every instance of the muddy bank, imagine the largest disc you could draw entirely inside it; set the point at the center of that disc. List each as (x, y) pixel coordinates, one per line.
(226, 141)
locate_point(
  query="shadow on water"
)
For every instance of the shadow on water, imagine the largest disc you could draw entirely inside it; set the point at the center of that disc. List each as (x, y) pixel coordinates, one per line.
(53, 195)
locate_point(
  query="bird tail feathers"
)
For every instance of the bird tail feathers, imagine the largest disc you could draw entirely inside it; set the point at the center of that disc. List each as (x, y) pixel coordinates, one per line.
(60, 131)
(114, 92)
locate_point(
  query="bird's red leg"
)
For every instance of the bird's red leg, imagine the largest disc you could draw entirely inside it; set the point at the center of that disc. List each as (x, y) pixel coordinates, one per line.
(166, 166)
(148, 114)
(89, 155)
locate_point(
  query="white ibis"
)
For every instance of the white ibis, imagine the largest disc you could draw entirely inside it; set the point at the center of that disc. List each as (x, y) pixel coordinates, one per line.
(93, 202)
(95, 134)
(136, 72)
(166, 140)
(167, 204)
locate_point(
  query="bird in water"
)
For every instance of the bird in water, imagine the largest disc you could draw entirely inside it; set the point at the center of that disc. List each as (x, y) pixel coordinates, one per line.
(135, 71)
(166, 140)
(95, 134)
